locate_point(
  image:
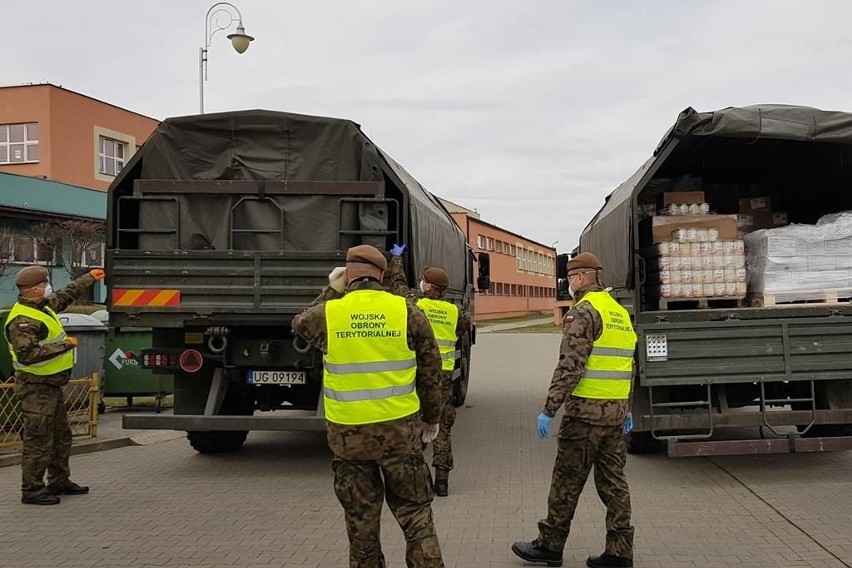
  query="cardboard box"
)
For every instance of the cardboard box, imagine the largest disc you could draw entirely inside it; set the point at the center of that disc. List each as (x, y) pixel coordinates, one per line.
(669, 197)
(752, 204)
(762, 220)
(780, 219)
(660, 228)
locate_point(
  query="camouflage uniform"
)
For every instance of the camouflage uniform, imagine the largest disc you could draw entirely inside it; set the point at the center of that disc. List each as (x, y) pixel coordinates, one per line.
(47, 437)
(442, 446)
(590, 435)
(365, 454)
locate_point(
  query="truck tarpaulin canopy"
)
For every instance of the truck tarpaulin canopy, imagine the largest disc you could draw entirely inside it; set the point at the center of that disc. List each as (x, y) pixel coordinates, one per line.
(278, 146)
(608, 235)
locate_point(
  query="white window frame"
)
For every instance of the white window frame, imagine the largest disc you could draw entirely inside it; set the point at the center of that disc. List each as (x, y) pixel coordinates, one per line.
(479, 241)
(104, 158)
(27, 143)
(128, 142)
(85, 262)
(35, 259)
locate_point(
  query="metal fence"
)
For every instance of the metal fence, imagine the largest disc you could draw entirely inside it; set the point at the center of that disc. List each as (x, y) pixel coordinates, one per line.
(81, 403)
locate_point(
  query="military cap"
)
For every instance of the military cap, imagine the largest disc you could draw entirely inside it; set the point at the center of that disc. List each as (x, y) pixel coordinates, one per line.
(367, 254)
(585, 260)
(436, 276)
(30, 276)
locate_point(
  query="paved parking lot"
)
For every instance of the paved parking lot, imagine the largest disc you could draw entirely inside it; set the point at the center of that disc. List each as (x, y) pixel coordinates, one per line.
(272, 505)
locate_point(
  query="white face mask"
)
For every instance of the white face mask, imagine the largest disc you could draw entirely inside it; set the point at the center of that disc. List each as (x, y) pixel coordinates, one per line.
(423, 286)
(48, 290)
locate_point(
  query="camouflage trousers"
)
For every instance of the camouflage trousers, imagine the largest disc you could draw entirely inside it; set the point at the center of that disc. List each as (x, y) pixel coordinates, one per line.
(47, 437)
(442, 446)
(582, 446)
(404, 481)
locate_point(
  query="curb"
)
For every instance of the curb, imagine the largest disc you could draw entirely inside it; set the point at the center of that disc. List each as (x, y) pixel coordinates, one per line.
(86, 447)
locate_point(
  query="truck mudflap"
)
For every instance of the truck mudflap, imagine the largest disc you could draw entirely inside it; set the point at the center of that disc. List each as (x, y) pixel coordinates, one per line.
(791, 444)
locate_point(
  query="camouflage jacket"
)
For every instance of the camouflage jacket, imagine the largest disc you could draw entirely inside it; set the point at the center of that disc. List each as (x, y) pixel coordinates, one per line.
(399, 286)
(24, 333)
(583, 325)
(394, 437)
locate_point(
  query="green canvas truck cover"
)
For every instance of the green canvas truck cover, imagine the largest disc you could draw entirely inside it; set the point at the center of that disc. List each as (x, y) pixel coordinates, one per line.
(608, 234)
(279, 146)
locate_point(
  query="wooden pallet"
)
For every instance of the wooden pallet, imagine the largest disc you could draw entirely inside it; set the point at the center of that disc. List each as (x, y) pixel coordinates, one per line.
(700, 303)
(800, 297)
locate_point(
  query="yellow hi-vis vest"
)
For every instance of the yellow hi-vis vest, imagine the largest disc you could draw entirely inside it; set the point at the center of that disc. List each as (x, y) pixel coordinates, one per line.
(369, 370)
(443, 316)
(609, 369)
(55, 334)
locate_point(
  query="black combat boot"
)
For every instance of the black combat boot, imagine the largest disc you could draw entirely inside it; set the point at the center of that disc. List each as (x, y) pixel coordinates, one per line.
(442, 486)
(69, 488)
(608, 561)
(43, 498)
(534, 552)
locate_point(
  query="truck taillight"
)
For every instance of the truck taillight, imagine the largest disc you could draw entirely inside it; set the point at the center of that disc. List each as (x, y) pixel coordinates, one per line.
(160, 360)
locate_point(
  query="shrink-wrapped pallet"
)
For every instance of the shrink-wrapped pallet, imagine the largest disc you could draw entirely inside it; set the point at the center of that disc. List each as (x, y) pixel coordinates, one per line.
(801, 262)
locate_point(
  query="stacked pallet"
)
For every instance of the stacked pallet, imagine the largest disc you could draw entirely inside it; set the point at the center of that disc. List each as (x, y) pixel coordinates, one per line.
(801, 263)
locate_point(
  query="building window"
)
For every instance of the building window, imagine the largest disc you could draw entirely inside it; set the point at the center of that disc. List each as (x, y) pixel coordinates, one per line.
(489, 243)
(110, 155)
(29, 250)
(18, 143)
(93, 256)
(479, 241)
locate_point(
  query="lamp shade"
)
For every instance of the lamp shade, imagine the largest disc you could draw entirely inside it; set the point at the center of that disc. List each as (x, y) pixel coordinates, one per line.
(240, 40)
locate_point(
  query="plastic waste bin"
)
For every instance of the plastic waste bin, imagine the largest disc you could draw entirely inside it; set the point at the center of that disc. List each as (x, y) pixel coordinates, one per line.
(91, 334)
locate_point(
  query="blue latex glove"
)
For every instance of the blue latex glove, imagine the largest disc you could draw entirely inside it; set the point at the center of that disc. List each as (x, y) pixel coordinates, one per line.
(627, 427)
(397, 250)
(544, 425)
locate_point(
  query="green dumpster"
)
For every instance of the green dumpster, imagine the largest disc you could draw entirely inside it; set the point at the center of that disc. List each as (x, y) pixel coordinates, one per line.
(123, 374)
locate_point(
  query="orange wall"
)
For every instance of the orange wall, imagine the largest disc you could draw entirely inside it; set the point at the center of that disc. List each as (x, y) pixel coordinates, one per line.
(69, 124)
(20, 105)
(498, 302)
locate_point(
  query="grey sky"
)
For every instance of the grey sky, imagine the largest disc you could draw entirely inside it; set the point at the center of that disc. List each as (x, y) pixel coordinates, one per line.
(530, 112)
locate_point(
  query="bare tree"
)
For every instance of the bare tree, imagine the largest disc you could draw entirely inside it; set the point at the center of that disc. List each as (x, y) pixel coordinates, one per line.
(84, 239)
(47, 236)
(7, 240)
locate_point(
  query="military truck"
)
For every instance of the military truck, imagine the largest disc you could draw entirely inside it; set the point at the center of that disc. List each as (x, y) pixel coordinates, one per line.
(728, 376)
(224, 226)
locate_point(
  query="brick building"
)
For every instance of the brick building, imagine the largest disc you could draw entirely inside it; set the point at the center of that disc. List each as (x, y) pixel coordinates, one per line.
(59, 151)
(523, 271)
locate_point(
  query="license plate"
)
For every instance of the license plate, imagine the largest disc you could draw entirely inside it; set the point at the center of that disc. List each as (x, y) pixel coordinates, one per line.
(276, 377)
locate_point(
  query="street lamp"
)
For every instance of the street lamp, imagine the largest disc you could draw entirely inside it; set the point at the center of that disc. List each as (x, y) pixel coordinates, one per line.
(222, 14)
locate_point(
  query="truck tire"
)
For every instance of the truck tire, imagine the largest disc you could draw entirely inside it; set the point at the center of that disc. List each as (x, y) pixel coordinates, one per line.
(460, 386)
(216, 442)
(643, 443)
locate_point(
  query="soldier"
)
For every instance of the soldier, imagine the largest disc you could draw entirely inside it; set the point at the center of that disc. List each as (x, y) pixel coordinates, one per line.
(449, 325)
(593, 379)
(382, 376)
(43, 357)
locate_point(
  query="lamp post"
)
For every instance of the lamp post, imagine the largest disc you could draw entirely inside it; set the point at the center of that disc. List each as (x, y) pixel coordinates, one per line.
(222, 14)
